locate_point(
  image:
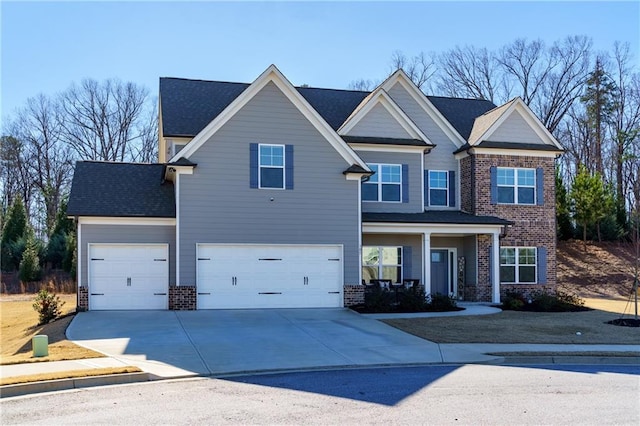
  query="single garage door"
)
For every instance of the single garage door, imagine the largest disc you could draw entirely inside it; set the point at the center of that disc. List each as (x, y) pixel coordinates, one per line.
(128, 276)
(263, 276)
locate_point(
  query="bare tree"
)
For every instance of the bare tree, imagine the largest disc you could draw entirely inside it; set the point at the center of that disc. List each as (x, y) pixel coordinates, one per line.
(528, 63)
(362, 85)
(14, 174)
(100, 119)
(50, 166)
(419, 68)
(146, 148)
(471, 72)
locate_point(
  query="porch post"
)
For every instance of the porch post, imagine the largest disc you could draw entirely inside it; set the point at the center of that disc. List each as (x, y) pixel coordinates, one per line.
(495, 267)
(426, 258)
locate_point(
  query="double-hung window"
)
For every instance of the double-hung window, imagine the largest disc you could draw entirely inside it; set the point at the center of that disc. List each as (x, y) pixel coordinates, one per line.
(516, 186)
(438, 188)
(271, 166)
(518, 265)
(385, 184)
(382, 263)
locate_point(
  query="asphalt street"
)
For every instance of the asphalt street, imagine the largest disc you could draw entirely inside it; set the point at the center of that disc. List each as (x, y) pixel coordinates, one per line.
(467, 394)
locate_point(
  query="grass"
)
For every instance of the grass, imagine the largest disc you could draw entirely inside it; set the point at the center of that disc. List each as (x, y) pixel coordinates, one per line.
(73, 374)
(18, 325)
(522, 327)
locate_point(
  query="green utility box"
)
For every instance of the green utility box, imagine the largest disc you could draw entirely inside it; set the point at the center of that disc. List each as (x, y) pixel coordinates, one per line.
(40, 345)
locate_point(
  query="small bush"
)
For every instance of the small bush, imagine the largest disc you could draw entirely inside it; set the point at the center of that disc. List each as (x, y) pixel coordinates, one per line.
(441, 303)
(378, 299)
(542, 301)
(412, 300)
(48, 306)
(513, 301)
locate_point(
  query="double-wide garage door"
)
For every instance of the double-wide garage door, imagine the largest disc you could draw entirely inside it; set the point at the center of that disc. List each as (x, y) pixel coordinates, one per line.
(128, 276)
(262, 276)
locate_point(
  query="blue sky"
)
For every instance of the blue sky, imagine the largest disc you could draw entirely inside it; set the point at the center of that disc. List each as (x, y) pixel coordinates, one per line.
(45, 46)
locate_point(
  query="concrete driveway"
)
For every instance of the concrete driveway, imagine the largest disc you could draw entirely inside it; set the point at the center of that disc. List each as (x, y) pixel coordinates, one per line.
(179, 343)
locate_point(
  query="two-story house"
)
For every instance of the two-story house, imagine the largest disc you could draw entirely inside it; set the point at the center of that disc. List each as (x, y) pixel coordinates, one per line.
(267, 195)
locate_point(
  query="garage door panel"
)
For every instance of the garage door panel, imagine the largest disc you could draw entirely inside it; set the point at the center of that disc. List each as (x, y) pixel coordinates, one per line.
(125, 276)
(255, 276)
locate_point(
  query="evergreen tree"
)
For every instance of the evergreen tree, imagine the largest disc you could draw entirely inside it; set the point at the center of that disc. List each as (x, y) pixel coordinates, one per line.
(591, 200)
(30, 263)
(57, 246)
(564, 227)
(13, 231)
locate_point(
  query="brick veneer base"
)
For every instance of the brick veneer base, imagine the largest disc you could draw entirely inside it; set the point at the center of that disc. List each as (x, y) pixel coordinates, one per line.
(83, 299)
(182, 298)
(353, 295)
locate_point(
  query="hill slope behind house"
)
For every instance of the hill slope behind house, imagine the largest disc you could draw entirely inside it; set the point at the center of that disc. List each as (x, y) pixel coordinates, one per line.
(604, 270)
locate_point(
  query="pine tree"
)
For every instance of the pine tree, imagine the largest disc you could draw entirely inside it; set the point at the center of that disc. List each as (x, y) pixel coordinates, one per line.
(13, 231)
(591, 200)
(30, 263)
(564, 227)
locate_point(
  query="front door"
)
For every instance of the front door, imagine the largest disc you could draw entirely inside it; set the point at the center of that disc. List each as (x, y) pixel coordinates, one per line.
(440, 272)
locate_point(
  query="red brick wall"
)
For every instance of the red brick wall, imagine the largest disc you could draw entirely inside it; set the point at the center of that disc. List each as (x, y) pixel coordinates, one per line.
(534, 226)
(353, 295)
(83, 299)
(182, 298)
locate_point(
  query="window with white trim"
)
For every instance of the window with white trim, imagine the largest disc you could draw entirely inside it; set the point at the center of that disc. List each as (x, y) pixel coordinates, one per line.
(271, 166)
(382, 263)
(516, 186)
(518, 265)
(176, 147)
(438, 188)
(385, 184)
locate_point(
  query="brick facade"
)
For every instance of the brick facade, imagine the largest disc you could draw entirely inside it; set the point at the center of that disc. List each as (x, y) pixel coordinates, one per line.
(353, 295)
(534, 225)
(83, 299)
(182, 298)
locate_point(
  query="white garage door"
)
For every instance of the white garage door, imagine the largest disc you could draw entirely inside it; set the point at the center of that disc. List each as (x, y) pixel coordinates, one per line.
(128, 276)
(260, 276)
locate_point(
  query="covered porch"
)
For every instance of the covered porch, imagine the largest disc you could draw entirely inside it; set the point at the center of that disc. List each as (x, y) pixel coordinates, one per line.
(451, 253)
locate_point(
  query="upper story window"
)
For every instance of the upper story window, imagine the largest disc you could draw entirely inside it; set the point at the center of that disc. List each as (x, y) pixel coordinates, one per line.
(385, 184)
(518, 264)
(176, 147)
(271, 165)
(516, 186)
(438, 188)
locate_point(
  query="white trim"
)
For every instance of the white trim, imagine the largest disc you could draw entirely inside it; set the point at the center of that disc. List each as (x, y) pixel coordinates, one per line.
(273, 75)
(432, 228)
(381, 265)
(359, 234)
(283, 167)
(380, 97)
(517, 185)
(178, 242)
(389, 148)
(144, 221)
(421, 99)
(517, 265)
(426, 261)
(528, 115)
(79, 259)
(173, 147)
(506, 152)
(379, 183)
(495, 268)
(422, 182)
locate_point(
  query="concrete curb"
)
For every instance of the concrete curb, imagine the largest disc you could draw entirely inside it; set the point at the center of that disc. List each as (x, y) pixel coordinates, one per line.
(73, 383)
(569, 359)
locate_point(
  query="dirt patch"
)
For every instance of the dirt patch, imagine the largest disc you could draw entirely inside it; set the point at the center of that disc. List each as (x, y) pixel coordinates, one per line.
(603, 270)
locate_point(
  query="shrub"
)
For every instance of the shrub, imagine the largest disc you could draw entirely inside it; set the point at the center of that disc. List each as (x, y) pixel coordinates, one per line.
(542, 301)
(378, 299)
(441, 303)
(30, 263)
(48, 306)
(413, 300)
(513, 301)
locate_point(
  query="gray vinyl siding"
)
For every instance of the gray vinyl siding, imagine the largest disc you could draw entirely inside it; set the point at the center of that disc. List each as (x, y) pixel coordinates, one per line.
(439, 158)
(127, 234)
(414, 161)
(470, 254)
(379, 123)
(217, 205)
(515, 129)
(414, 241)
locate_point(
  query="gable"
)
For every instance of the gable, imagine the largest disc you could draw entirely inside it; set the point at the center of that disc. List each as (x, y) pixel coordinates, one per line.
(515, 129)
(273, 76)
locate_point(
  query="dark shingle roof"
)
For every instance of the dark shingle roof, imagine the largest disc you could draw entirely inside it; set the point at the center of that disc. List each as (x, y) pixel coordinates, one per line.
(120, 189)
(454, 217)
(461, 113)
(385, 141)
(189, 105)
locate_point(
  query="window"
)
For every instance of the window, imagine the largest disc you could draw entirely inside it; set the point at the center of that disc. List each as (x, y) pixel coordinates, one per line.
(385, 184)
(382, 263)
(271, 166)
(438, 188)
(516, 186)
(177, 147)
(518, 264)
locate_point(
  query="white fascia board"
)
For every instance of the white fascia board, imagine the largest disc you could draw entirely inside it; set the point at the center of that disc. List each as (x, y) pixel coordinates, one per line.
(517, 104)
(507, 152)
(431, 228)
(381, 97)
(145, 221)
(172, 170)
(273, 75)
(390, 148)
(356, 176)
(424, 102)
